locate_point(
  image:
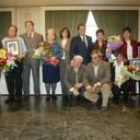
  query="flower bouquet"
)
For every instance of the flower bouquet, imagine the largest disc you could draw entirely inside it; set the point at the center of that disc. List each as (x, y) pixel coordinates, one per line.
(45, 53)
(7, 61)
(132, 72)
(2, 58)
(113, 43)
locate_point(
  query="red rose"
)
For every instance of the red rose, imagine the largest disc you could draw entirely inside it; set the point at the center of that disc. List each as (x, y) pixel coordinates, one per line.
(54, 61)
(2, 62)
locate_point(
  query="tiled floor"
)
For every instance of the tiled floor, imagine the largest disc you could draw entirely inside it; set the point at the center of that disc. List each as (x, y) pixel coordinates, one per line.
(38, 120)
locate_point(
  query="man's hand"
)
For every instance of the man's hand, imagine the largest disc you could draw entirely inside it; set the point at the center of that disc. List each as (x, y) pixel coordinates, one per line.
(89, 89)
(75, 92)
(78, 85)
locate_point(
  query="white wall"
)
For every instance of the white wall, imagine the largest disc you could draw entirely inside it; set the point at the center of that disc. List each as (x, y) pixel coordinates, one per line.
(31, 13)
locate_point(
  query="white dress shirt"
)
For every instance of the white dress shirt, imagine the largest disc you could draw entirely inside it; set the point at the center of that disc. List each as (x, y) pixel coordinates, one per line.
(118, 69)
(63, 45)
(95, 70)
(129, 51)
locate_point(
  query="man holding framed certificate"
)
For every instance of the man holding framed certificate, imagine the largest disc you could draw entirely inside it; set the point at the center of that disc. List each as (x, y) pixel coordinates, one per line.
(16, 48)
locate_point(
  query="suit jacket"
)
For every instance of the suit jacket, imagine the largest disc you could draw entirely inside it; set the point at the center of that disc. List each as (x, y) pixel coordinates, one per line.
(78, 47)
(69, 78)
(103, 74)
(123, 48)
(102, 48)
(66, 50)
(32, 44)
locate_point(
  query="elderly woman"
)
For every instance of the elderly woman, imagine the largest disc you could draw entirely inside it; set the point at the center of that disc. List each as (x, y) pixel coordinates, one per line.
(74, 79)
(51, 73)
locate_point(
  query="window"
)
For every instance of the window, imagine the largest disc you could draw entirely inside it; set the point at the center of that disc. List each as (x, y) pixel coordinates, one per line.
(91, 26)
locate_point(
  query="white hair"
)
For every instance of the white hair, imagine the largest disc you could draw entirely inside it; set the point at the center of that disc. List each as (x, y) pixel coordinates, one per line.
(78, 57)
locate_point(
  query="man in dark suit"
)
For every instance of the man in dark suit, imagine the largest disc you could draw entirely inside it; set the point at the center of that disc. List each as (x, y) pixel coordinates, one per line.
(74, 79)
(97, 79)
(81, 45)
(32, 41)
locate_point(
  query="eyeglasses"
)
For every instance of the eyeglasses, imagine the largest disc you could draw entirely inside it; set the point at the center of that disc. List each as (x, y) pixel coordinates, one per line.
(95, 57)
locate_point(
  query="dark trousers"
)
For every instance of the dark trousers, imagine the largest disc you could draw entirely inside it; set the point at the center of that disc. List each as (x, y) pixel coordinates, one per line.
(28, 65)
(132, 87)
(75, 99)
(14, 82)
(117, 91)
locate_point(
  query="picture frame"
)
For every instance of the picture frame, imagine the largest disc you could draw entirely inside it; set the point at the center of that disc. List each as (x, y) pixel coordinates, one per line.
(13, 46)
(135, 62)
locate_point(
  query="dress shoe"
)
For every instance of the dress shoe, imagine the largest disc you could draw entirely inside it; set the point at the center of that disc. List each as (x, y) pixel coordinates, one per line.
(104, 109)
(9, 101)
(37, 96)
(54, 97)
(48, 97)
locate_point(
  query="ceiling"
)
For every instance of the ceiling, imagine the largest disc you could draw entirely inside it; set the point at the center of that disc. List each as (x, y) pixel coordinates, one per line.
(21, 3)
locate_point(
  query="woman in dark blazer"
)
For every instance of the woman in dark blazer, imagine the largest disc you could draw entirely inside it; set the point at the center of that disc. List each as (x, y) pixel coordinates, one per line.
(129, 49)
(100, 43)
(65, 59)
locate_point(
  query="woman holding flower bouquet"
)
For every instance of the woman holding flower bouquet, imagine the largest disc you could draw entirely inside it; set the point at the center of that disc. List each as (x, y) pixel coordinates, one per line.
(119, 81)
(51, 72)
(15, 51)
(129, 48)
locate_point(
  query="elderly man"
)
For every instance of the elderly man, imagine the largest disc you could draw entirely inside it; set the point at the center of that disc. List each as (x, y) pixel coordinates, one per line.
(97, 79)
(74, 79)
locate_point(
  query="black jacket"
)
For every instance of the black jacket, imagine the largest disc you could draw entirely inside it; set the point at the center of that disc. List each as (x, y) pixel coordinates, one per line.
(78, 47)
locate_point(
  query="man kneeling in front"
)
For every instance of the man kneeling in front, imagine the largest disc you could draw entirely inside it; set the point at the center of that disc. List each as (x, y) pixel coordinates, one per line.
(74, 80)
(97, 79)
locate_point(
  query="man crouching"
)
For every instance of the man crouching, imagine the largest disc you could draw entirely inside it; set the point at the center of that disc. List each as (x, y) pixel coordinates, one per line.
(74, 79)
(97, 79)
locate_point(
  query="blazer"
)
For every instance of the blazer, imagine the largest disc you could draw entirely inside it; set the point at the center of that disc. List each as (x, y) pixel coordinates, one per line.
(103, 74)
(123, 48)
(66, 50)
(78, 47)
(32, 44)
(69, 77)
(102, 48)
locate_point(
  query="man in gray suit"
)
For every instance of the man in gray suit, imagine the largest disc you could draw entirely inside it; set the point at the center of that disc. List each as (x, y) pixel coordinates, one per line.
(97, 79)
(32, 41)
(74, 79)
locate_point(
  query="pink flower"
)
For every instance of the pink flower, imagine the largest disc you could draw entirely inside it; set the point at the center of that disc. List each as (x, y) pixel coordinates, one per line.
(10, 56)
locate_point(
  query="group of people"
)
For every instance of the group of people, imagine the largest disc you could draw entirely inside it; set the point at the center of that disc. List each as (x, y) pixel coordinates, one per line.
(83, 68)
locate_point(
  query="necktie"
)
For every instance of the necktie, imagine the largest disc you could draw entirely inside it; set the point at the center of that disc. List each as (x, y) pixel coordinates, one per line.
(76, 76)
(30, 36)
(84, 41)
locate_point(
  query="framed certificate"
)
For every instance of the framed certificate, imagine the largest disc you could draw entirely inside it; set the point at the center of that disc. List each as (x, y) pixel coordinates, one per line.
(136, 63)
(13, 46)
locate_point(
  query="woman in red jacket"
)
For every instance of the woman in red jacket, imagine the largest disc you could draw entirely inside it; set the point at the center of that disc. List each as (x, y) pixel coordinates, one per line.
(129, 49)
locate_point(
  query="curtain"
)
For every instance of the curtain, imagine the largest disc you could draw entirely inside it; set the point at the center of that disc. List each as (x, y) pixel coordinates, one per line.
(60, 19)
(113, 21)
(5, 22)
